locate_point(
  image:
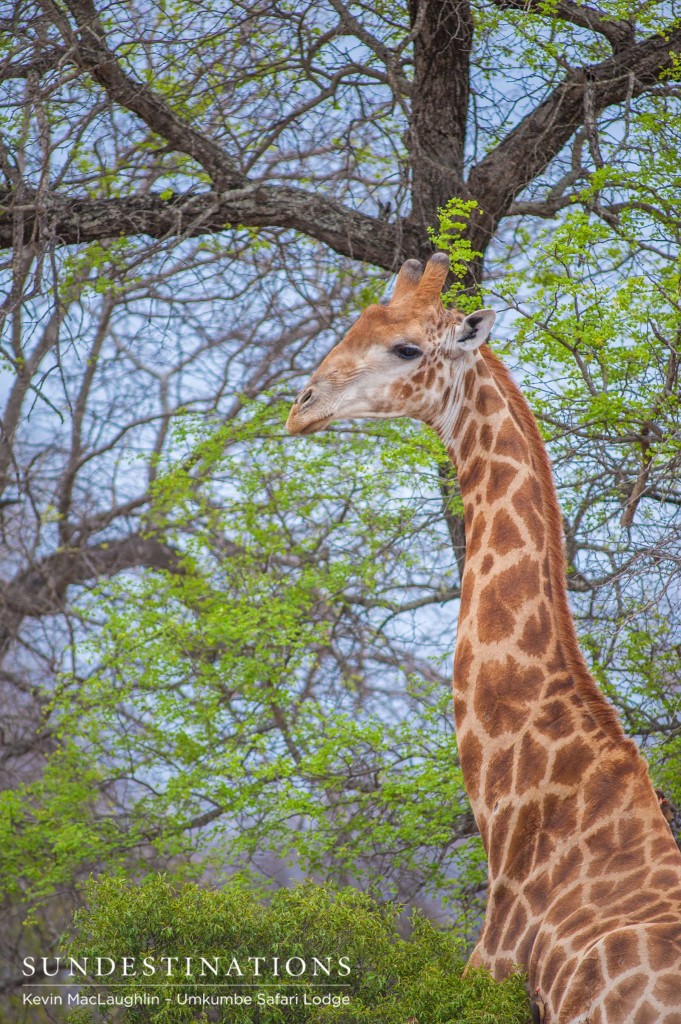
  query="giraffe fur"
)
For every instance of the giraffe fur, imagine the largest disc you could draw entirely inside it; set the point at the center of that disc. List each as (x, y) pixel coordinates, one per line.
(584, 875)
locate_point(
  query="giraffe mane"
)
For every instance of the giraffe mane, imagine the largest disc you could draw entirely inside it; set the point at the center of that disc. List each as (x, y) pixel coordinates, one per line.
(602, 712)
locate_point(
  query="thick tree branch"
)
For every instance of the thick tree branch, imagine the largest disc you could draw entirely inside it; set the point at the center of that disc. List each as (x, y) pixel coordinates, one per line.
(546, 209)
(620, 34)
(61, 221)
(494, 182)
(92, 53)
(40, 589)
(529, 148)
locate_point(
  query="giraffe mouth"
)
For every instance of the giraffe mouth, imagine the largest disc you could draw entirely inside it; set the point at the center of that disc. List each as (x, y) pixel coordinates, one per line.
(313, 427)
(316, 425)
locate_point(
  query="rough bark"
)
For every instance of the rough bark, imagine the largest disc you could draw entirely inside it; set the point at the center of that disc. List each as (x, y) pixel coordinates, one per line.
(62, 221)
(439, 110)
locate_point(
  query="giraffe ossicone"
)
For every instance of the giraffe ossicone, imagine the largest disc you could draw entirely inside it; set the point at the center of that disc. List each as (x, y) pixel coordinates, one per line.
(584, 883)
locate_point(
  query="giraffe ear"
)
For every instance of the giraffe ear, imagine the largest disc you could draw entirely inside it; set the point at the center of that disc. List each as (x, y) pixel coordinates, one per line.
(472, 332)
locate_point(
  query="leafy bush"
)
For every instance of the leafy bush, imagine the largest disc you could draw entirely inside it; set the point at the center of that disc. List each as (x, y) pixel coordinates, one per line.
(391, 979)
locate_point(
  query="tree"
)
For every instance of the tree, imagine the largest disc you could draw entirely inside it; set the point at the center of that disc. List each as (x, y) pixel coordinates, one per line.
(195, 204)
(374, 974)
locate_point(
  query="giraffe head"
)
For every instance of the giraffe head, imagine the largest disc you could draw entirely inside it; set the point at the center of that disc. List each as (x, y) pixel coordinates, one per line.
(397, 359)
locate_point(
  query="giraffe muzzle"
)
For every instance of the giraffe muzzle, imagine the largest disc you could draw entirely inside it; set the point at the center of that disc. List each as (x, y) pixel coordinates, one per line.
(300, 421)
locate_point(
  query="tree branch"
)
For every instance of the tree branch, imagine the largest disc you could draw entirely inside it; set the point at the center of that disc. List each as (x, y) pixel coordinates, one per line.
(38, 64)
(40, 589)
(389, 57)
(546, 209)
(529, 148)
(495, 181)
(92, 53)
(620, 34)
(61, 221)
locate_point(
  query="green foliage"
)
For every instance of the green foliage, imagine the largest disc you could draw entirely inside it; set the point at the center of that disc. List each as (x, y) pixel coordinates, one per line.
(50, 822)
(391, 979)
(203, 690)
(454, 218)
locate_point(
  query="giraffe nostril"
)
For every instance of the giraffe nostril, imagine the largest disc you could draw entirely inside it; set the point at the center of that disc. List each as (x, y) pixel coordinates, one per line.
(304, 397)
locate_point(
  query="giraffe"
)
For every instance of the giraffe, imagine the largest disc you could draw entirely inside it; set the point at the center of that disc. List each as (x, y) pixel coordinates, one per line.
(584, 875)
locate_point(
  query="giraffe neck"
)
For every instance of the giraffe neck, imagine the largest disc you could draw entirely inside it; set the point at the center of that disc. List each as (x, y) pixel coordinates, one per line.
(584, 875)
(528, 712)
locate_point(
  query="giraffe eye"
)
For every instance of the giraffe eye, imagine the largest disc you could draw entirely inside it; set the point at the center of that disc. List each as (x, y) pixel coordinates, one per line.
(407, 351)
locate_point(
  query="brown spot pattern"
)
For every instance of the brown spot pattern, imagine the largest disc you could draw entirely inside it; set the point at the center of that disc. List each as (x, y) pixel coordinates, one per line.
(554, 720)
(524, 838)
(667, 989)
(571, 761)
(567, 869)
(502, 598)
(560, 816)
(488, 401)
(505, 534)
(500, 477)
(472, 474)
(505, 694)
(474, 543)
(517, 924)
(470, 755)
(470, 437)
(499, 776)
(463, 661)
(467, 590)
(527, 503)
(486, 436)
(510, 442)
(537, 633)
(621, 952)
(646, 1014)
(533, 759)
